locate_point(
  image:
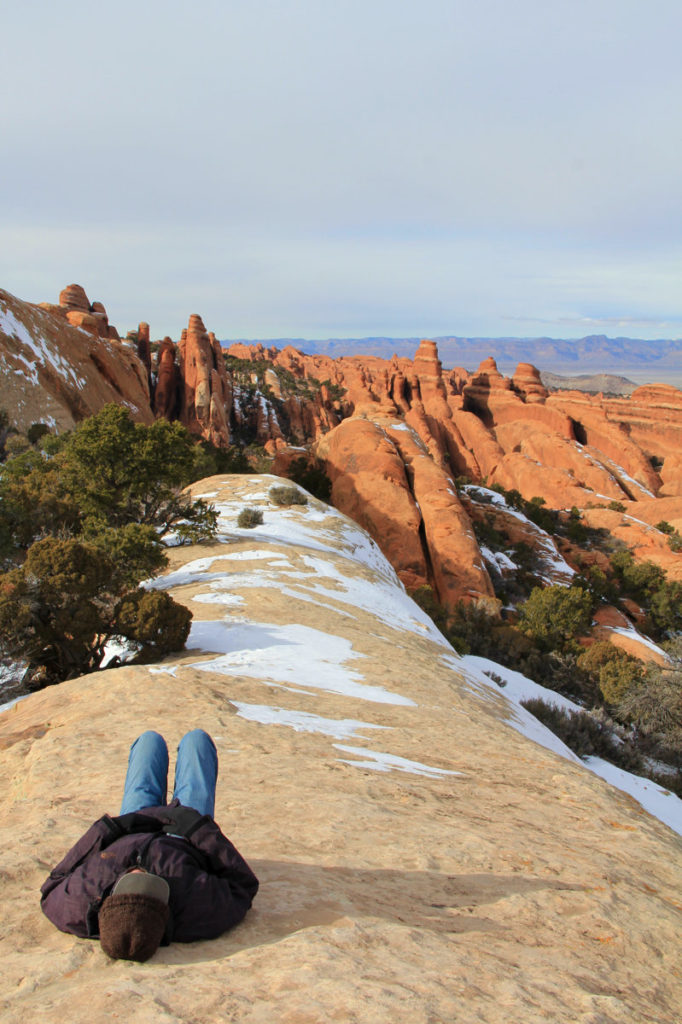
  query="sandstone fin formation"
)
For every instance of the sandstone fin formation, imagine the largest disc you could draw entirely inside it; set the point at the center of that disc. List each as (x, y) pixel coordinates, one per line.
(394, 436)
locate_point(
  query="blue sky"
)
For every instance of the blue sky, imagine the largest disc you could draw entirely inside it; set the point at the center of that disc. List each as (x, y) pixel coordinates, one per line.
(346, 169)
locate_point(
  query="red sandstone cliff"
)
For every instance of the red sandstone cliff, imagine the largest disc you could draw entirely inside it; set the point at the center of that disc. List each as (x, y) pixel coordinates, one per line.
(393, 435)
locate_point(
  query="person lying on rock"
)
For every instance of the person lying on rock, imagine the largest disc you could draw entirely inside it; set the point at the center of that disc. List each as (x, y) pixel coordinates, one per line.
(158, 872)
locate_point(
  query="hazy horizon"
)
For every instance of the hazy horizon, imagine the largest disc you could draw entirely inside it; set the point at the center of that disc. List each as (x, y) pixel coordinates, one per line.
(457, 167)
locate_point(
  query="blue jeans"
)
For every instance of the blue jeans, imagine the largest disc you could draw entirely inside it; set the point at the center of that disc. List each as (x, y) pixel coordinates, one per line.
(196, 773)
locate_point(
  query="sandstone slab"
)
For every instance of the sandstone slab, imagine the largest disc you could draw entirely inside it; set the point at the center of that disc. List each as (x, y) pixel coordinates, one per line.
(420, 859)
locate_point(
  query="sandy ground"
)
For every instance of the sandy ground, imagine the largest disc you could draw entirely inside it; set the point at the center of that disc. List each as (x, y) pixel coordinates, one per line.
(518, 888)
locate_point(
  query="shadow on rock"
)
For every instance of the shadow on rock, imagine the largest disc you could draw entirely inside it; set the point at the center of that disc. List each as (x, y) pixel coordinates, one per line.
(296, 896)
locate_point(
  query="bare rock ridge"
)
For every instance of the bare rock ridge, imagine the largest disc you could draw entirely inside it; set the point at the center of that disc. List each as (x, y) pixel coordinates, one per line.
(392, 435)
(57, 372)
(420, 858)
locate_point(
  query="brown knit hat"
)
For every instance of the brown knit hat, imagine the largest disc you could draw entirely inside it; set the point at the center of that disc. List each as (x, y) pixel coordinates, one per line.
(133, 919)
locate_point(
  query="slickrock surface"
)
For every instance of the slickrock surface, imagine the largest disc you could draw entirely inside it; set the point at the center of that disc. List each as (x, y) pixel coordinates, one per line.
(420, 859)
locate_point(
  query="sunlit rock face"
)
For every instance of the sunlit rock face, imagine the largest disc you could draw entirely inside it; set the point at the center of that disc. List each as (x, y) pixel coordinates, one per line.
(414, 844)
(57, 373)
(79, 311)
(204, 384)
(446, 426)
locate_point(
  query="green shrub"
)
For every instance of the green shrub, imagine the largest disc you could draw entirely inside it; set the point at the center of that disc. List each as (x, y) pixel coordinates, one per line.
(426, 599)
(109, 469)
(36, 431)
(487, 534)
(16, 444)
(638, 580)
(647, 584)
(210, 460)
(546, 518)
(616, 506)
(554, 616)
(597, 582)
(154, 620)
(665, 527)
(576, 530)
(675, 541)
(60, 608)
(664, 611)
(312, 476)
(585, 734)
(615, 671)
(249, 517)
(284, 495)
(655, 704)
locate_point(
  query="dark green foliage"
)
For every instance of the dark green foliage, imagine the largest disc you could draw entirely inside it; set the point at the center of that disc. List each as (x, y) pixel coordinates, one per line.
(36, 431)
(283, 495)
(646, 583)
(210, 460)
(468, 626)
(16, 444)
(133, 549)
(614, 671)
(426, 599)
(487, 535)
(674, 537)
(154, 620)
(474, 629)
(336, 391)
(249, 517)
(5, 430)
(585, 734)
(512, 497)
(598, 583)
(82, 523)
(59, 609)
(109, 471)
(250, 376)
(554, 616)
(664, 613)
(616, 506)
(34, 502)
(638, 580)
(518, 586)
(312, 477)
(575, 529)
(545, 518)
(654, 705)
(125, 472)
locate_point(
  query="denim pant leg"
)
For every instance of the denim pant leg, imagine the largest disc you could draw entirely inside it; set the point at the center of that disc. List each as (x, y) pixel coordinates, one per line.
(196, 772)
(147, 777)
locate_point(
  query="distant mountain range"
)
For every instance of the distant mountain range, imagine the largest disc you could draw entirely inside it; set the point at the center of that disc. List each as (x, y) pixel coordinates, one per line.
(655, 360)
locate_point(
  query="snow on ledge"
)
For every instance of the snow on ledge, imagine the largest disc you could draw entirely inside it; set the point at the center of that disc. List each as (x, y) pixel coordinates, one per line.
(659, 802)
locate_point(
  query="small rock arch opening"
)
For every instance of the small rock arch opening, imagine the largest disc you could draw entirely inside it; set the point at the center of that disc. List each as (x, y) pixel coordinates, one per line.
(579, 432)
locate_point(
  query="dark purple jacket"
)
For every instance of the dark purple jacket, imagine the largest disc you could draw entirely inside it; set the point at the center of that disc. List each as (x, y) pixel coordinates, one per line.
(211, 885)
